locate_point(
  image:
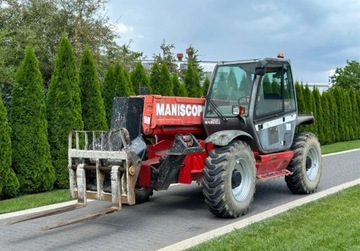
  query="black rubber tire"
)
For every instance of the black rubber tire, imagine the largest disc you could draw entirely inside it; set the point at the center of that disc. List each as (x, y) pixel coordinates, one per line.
(229, 179)
(306, 165)
(143, 194)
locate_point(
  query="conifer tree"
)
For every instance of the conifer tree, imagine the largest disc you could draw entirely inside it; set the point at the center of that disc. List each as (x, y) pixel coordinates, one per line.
(300, 102)
(335, 123)
(326, 118)
(232, 85)
(122, 88)
(355, 117)
(63, 105)
(231, 80)
(128, 81)
(245, 86)
(349, 115)
(92, 104)
(275, 86)
(192, 57)
(140, 79)
(31, 152)
(155, 81)
(309, 107)
(318, 114)
(9, 184)
(267, 84)
(338, 94)
(357, 94)
(109, 92)
(166, 86)
(205, 86)
(183, 90)
(192, 81)
(179, 88)
(300, 97)
(221, 91)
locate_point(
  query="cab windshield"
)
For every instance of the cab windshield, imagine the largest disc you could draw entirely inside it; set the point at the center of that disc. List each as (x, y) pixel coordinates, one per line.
(231, 87)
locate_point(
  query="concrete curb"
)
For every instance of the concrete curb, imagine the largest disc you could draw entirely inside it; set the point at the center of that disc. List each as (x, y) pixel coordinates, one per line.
(37, 209)
(182, 245)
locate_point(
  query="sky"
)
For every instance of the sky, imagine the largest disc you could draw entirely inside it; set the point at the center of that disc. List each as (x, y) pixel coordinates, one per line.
(316, 35)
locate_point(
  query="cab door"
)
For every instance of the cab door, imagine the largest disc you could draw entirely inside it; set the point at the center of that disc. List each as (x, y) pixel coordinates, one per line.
(275, 109)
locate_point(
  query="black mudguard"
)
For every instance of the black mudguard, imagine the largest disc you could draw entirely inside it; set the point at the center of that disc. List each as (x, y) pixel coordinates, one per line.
(223, 138)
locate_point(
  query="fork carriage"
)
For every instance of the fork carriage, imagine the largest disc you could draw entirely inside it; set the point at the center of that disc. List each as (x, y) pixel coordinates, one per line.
(99, 156)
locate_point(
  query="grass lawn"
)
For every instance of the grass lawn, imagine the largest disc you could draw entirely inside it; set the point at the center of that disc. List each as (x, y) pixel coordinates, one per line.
(34, 200)
(341, 146)
(331, 223)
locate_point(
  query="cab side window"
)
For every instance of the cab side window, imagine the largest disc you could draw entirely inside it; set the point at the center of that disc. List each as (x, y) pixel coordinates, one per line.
(289, 93)
(269, 95)
(275, 93)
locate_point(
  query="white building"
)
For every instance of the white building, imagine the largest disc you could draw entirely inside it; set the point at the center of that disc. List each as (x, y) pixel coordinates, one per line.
(320, 86)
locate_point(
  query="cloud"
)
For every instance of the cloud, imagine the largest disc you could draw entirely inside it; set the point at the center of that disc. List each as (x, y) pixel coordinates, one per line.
(316, 35)
(122, 29)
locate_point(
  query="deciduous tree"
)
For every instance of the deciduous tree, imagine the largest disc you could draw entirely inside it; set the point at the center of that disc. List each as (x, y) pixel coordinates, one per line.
(167, 56)
(349, 76)
(42, 22)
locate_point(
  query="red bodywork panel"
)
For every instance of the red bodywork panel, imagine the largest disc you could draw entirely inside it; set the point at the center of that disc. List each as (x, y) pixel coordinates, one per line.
(272, 165)
(167, 116)
(164, 117)
(191, 169)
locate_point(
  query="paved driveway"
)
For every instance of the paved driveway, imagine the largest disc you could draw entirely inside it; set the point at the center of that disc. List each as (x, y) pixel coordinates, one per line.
(171, 216)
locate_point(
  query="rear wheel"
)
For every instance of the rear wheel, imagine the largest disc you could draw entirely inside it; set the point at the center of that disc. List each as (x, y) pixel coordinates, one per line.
(306, 164)
(229, 179)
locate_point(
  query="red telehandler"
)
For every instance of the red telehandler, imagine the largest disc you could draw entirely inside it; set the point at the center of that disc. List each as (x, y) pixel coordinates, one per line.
(243, 130)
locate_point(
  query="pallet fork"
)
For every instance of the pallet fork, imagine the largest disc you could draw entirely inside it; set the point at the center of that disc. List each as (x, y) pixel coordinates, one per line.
(102, 154)
(101, 157)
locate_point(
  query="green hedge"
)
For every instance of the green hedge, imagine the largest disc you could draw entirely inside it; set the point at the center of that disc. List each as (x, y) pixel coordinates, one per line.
(336, 113)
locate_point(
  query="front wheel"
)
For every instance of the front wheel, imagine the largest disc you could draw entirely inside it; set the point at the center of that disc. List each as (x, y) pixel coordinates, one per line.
(306, 164)
(229, 179)
(142, 194)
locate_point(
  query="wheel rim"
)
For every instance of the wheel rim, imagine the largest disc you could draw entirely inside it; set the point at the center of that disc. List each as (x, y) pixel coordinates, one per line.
(241, 188)
(312, 164)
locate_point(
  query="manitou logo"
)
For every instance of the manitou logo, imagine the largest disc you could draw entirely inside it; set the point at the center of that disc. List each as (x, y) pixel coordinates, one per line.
(178, 110)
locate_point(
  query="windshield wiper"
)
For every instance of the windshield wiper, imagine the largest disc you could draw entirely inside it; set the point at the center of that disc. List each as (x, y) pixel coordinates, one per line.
(216, 110)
